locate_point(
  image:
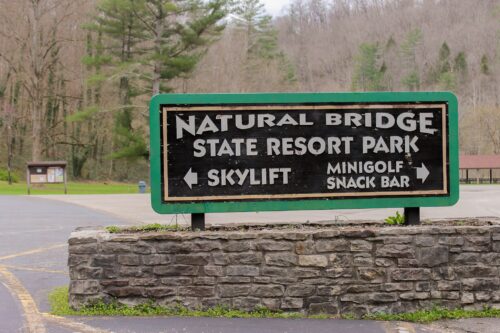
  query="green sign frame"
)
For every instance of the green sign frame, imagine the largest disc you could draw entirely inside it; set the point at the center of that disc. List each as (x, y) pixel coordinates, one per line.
(297, 98)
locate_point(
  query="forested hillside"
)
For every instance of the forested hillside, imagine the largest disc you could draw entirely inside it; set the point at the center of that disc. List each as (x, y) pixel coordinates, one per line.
(76, 76)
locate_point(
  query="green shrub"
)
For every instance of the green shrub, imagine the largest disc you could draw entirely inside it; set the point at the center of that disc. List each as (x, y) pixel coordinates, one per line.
(4, 176)
(395, 220)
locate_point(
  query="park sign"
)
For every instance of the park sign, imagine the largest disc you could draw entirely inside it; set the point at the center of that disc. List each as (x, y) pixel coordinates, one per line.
(269, 152)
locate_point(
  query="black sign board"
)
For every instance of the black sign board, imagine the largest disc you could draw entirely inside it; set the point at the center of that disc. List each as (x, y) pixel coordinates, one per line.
(304, 151)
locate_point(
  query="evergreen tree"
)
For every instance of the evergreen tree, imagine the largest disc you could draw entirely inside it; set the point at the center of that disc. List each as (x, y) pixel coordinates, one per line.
(368, 76)
(148, 43)
(484, 65)
(261, 37)
(408, 50)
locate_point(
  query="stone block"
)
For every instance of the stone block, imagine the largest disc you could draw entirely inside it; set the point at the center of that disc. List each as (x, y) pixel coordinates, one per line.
(313, 260)
(414, 295)
(491, 259)
(262, 279)
(192, 259)
(114, 248)
(396, 251)
(433, 256)
(160, 292)
(246, 258)
(271, 303)
(84, 272)
(205, 246)
(404, 262)
(423, 286)
(144, 282)
(340, 272)
(451, 240)
(196, 291)
(237, 246)
(156, 259)
(448, 285)
(363, 259)
(268, 245)
(401, 286)
(372, 275)
(411, 274)
(242, 270)
(482, 296)
(332, 245)
(424, 241)
(213, 270)
(300, 290)
(467, 298)
(330, 290)
(114, 283)
(170, 247)
(84, 287)
(126, 291)
(361, 246)
(84, 259)
(89, 248)
(475, 271)
(129, 259)
(306, 247)
(384, 262)
(176, 281)
(233, 290)
(340, 259)
(176, 270)
(204, 280)
(267, 290)
(398, 240)
(306, 272)
(359, 288)
(323, 308)
(220, 258)
(134, 271)
(234, 279)
(466, 258)
(480, 284)
(478, 240)
(142, 248)
(81, 240)
(246, 303)
(289, 303)
(281, 259)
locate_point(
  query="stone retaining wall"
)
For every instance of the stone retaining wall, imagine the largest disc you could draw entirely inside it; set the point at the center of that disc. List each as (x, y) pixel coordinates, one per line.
(328, 270)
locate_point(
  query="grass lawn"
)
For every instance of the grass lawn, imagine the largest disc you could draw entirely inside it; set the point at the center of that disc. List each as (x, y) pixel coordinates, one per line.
(73, 188)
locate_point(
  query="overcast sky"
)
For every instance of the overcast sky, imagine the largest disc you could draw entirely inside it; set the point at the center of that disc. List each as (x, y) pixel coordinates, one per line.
(274, 7)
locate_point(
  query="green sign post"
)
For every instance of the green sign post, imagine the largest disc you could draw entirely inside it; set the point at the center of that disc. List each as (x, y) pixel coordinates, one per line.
(308, 151)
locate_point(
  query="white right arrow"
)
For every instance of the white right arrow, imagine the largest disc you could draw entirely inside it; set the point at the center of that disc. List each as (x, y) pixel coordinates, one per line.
(191, 178)
(422, 173)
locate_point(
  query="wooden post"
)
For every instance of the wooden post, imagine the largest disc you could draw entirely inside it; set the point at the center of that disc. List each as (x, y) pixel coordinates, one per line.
(198, 221)
(412, 215)
(65, 181)
(28, 180)
(466, 176)
(491, 176)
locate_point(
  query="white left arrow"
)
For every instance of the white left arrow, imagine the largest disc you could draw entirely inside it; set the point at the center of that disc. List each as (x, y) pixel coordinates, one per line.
(422, 173)
(191, 178)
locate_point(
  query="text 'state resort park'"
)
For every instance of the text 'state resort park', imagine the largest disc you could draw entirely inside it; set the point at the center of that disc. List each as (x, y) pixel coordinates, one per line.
(217, 153)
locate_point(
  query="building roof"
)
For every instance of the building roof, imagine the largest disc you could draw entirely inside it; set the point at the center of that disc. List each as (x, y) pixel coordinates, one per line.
(47, 163)
(480, 162)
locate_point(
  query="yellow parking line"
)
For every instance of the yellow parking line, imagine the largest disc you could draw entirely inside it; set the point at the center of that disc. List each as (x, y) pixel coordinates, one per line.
(33, 317)
(73, 325)
(34, 251)
(35, 269)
